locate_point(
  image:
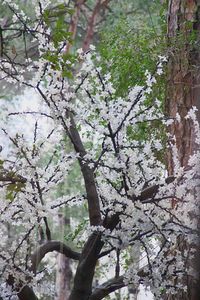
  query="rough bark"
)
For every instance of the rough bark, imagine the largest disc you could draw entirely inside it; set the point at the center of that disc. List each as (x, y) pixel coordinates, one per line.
(183, 89)
(183, 92)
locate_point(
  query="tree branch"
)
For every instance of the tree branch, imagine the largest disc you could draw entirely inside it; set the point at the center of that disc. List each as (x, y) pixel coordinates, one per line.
(92, 22)
(112, 285)
(88, 175)
(151, 191)
(27, 294)
(11, 177)
(108, 287)
(49, 247)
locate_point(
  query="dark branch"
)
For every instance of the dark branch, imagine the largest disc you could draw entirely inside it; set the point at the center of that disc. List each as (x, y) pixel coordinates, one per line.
(49, 247)
(112, 285)
(108, 287)
(27, 293)
(6, 176)
(151, 191)
(88, 175)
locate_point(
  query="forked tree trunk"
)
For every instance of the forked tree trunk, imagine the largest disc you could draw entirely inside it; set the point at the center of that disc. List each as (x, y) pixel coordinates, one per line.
(183, 92)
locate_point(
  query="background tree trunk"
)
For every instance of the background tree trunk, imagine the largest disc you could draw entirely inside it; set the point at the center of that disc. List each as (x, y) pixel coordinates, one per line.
(183, 92)
(135, 255)
(183, 89)
(63, 272)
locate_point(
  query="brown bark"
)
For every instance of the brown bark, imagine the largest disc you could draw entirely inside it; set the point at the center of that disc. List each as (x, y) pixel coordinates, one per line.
(183, 92)
(100, 5)
(183, 89)
(74, 22)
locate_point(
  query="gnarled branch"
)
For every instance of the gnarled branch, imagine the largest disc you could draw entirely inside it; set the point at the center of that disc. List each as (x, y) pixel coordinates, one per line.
(50, 246)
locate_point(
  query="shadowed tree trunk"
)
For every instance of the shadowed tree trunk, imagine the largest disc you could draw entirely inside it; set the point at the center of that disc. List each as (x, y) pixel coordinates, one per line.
(183, 92)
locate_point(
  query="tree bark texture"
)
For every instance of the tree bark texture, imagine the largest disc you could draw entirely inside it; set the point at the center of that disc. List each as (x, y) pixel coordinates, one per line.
(183, 89)
(183, 92)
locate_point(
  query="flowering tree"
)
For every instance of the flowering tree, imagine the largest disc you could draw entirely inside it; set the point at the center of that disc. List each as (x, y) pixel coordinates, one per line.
(127, 192)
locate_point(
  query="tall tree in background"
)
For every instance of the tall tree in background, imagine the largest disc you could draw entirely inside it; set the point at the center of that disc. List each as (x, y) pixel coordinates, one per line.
(183, 93)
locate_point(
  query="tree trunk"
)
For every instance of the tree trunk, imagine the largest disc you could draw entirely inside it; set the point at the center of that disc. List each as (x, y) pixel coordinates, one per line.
(184, 72)
(63, 277)
(183, 92)
(64, 272)
(82, 288)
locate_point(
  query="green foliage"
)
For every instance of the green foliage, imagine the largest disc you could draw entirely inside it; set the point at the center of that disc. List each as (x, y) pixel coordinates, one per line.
(59, 11)
(56, 20)
(12, 189)
(13, 186)
(129, 49)
(131, 53)
(59, 32)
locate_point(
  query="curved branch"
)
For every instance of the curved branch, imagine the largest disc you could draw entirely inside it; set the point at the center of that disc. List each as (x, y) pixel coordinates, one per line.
(108, 287)
(50, 246)
(26, 293)
(112, 285)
